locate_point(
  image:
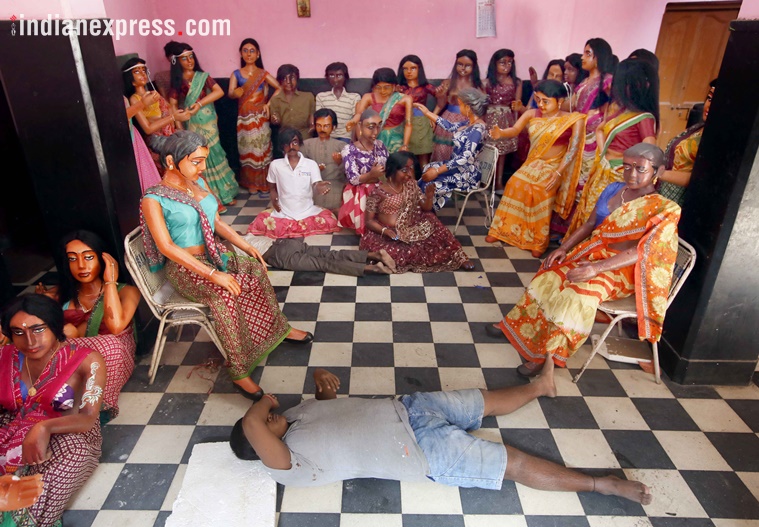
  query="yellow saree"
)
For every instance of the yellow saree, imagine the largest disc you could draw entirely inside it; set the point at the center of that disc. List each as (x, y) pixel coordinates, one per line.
(523, 216)
(557, 315)
(604, 171)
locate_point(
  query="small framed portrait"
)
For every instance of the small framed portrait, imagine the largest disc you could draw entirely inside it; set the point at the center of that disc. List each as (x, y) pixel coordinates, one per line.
(304, 8)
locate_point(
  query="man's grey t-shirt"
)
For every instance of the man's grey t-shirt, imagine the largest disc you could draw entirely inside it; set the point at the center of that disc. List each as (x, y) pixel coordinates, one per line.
(349, 438)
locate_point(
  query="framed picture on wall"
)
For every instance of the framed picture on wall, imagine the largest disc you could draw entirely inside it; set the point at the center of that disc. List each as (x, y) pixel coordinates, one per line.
(304, 8)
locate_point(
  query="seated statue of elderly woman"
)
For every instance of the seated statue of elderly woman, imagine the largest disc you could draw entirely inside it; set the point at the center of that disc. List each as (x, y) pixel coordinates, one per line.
(627, 246)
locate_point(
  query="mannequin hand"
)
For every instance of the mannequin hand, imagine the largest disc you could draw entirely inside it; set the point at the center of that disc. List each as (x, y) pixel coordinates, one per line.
(150, 98)
(430, 175)
(35, 449)
(337, 158)
(390, 233)
(583, 273)
(325, 381)
(533, 76)
(267, 111)
(50, 292)
(111, 271)
(376, 172)
(253, 253)
(226, 281)
(239, 91)
(556, 257)
(322, 187)
(19, 493)
(517, 106)
(182, 116)
(496, 132)
(70, 331)
(552, 181)
(421, 107)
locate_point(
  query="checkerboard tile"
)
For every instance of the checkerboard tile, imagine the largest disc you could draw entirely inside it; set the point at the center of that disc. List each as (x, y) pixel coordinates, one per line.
(696, 447)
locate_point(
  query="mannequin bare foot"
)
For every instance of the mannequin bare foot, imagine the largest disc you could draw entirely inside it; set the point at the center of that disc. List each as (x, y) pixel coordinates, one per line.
(491, 239)
(632, 490)
(537, 253)
(545, 380)
(387, 259)
(468, 265)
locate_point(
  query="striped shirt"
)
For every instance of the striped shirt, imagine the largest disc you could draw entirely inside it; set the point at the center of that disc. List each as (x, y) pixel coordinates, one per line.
(344, 108)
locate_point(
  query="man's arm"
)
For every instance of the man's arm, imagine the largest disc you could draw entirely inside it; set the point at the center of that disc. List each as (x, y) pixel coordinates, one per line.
(270, 448)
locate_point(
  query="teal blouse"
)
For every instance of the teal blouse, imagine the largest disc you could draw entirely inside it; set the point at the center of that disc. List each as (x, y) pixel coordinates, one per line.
(183, 221)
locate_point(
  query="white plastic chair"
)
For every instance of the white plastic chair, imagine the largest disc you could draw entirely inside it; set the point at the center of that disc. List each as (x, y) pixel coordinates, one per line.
(625, 307)
(488, 159)
(168, 306)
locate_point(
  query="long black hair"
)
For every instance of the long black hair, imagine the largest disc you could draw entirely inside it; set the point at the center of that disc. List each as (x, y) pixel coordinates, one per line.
(493, 67)
(174, 49)
(554, 62)
(416, 60)
(384, 75)
(397, 161)
(259, 61)
(476, 81)
(604, 55)
(636, 87)
(40, 306)
(127, 75)
(575, 59)
(69, 284)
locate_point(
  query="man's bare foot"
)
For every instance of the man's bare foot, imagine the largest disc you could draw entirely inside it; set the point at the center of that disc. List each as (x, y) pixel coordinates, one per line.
(387, 259)
(631, 490)
(546, 380)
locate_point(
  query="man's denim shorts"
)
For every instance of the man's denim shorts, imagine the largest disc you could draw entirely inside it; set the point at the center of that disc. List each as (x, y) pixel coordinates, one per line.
(440, 421)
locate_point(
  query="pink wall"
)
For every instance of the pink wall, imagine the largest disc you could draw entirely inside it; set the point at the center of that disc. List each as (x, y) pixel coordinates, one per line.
(368, 35)
(749, 9)
(65, 8)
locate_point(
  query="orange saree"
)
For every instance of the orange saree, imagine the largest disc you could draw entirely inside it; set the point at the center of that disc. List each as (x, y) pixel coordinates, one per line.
(557, 315)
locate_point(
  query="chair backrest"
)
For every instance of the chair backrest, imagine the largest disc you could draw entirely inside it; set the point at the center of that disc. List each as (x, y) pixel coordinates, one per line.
(147, 282)
(686, 260)
(488, 160)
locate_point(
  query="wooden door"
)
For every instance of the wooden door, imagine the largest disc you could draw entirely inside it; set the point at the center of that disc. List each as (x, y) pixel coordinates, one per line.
(691, 43)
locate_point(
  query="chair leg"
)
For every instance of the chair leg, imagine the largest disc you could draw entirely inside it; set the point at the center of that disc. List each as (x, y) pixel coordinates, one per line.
(461, 213)
(657, 369)
(179, 333)
(215, 338)
(595, 348)
(157, 350)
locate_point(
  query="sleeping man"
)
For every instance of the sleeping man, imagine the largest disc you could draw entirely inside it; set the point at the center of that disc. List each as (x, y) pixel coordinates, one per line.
(415, 437)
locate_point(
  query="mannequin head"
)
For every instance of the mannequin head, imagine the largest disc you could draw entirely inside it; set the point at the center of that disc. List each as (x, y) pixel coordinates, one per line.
(250, 53)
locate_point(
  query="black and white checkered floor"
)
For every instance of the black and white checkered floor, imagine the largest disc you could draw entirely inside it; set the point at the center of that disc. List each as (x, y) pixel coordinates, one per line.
(697, 447)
